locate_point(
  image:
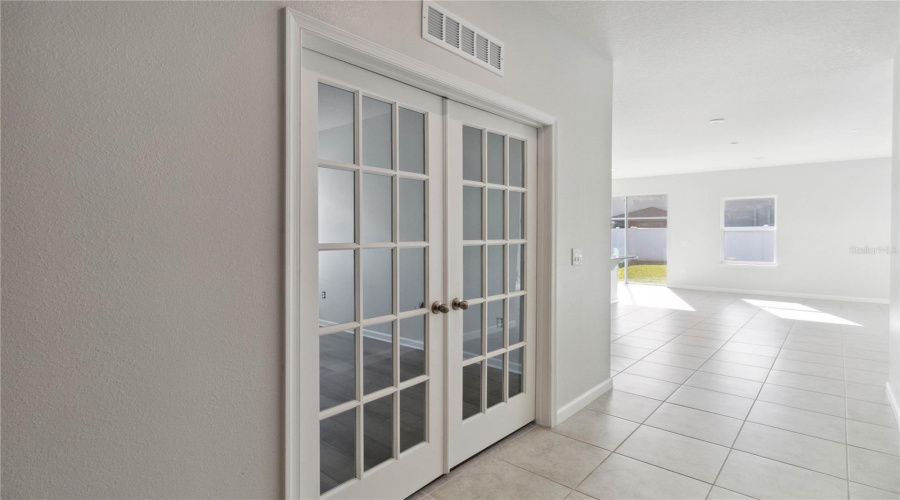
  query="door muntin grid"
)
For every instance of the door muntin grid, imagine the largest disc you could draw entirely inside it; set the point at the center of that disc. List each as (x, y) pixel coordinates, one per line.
(374, 375)
(494, 282)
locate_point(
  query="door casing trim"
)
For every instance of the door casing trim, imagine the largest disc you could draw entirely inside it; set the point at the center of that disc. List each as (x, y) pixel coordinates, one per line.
(303, 31)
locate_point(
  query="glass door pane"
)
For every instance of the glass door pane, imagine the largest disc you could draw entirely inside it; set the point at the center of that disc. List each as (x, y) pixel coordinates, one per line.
(639, 232)
(487, 320)
(617, 233)
(374, 272)
(491, 264)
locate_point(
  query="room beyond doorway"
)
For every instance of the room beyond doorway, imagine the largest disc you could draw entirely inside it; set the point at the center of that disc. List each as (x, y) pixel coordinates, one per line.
(638, 228)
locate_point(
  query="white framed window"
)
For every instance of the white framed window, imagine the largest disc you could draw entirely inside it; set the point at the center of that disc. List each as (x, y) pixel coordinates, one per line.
(749, 230)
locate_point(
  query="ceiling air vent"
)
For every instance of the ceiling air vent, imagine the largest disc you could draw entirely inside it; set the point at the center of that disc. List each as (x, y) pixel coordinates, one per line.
(445, 29)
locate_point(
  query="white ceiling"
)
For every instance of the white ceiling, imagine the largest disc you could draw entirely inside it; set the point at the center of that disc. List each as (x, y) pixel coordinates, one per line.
(793, 80)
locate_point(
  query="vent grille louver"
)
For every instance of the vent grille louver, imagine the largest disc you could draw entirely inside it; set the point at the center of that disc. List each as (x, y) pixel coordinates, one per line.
(451, 36)
(481, 48)
(447, 30)
(496, 55)
(435, 23)
(468, 41)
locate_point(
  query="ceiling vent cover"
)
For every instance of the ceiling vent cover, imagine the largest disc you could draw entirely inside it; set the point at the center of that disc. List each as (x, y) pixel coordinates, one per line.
(445, 29)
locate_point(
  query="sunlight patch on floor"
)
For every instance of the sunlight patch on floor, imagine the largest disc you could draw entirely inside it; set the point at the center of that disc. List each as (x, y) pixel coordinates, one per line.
(651, 296)
(815, 316)
(766, 304)
(798, 312)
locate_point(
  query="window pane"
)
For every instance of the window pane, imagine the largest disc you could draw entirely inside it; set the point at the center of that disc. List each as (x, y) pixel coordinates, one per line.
(378, 423)
(336, 205)
(412, 141)
(495, 325)
(472, 331)
(495, 214)
(337, 288)
(617, 239)
(749, 246)
(336, 134)
(647, 206)
(472, 277)
(376, 133)
(412, 279)
(378, 291)
(495, 380)
(516, 268)
(647, 223)
(471, 390)
(755, 212)
(516, 371)
(516, 320)
(471, 154)
(412, 347)
(472, 214)
(648, 247)
(337, 368)
(377, 207)
(516, 163)
(516, 215)
(495, 270)
(337, 450)
(412, 210)
(618, 207)
(378, 357)
(412, 416)
(495, 158)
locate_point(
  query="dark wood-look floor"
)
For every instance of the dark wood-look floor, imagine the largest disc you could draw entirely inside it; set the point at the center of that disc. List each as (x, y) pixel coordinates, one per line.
(338, 385)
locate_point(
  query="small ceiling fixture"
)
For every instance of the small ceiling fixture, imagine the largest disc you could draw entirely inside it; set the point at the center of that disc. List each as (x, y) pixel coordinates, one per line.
(717, 121)
(735, 143)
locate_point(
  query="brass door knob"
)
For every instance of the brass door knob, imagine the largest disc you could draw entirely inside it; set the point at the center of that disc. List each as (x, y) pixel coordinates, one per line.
(460, 304)
(439, 307)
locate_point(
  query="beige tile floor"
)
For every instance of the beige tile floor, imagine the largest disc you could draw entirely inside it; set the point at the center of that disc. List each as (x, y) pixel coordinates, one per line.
(715, 396)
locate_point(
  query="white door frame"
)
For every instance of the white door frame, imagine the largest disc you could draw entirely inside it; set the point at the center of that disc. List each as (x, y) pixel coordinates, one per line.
(303, 31)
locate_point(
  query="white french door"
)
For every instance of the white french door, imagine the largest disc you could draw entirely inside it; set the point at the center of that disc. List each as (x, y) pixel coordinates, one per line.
(491, 226)
(399, 382)
(372, 173)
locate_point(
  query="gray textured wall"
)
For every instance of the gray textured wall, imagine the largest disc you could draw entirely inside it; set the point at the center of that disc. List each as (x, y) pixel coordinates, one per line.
(142, 213)
(142, 239)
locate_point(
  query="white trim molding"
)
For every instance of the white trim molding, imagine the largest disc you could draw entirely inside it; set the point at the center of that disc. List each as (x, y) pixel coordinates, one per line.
(782, 294)
(893, 401)
(585, 399)
(305, 32)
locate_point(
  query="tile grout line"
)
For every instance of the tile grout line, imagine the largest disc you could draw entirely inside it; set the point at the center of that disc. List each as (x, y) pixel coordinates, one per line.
(751, 380)
(755, 399)
(695, 371)
(781, 348)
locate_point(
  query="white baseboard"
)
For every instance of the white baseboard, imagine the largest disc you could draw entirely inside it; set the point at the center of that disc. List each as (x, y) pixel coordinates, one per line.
(585, 399)
(783, 294)
(893, 401)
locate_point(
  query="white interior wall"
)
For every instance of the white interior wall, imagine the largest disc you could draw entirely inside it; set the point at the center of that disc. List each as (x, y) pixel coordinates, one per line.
(822, 210)
(142, 245)
(894, 341)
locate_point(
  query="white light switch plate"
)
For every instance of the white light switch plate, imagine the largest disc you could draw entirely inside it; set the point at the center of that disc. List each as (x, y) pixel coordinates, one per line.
(576, 256)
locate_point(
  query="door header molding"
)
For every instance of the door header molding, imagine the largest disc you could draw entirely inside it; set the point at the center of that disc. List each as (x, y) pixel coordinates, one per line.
(335, 42)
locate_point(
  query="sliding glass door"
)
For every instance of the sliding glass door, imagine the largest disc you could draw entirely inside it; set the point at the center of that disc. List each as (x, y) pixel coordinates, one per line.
(638, 236)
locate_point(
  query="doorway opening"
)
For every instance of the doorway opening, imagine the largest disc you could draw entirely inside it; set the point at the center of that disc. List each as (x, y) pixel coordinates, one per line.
(638, 228)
